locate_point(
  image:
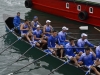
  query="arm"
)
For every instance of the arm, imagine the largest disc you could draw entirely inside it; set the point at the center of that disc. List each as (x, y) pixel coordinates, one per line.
(79, 44)
(15, 22)
(21, 27)
(80, 61)
(44, 30)
(88, 43)
(32, 24)
(97, 53)
(60, 38)
(35, 36)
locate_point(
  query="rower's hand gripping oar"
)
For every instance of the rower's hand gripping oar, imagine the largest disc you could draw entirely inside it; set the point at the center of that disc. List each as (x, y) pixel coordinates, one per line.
(9, 31)
(16, 60)
(58, 67)
(11, 44)
(28, 64)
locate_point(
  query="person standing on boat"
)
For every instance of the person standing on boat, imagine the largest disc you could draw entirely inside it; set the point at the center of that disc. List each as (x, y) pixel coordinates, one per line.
(53, 46)
(16, 21)
(70, 48)
(38, 36)
(82, 42)
(62, 36)
(87, 59)
(47, 29)
(35, 22)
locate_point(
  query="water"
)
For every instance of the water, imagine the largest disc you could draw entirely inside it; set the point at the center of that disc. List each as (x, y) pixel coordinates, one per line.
(11, 7)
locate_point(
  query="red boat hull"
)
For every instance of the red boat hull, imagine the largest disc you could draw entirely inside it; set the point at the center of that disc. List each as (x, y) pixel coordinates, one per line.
(58, 7)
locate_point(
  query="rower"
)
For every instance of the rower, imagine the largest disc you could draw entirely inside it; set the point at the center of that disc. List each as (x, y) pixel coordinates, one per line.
(47, 29)
(24, 27)
(38, 36)
(62, 36)
(53, 46)
(35, 22)
(70, 48)
(82, 42)
(87, 59)
(16, 22)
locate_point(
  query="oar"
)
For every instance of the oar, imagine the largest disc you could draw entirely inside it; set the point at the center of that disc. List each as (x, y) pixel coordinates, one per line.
(97, 29)
(9, 31)
(88, 71)
(58, 67)
(11, 45)
(28, 64)
(16, 60)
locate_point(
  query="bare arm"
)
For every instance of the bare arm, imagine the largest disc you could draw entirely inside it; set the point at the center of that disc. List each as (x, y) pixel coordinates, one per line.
(44, 30)
(21, 27)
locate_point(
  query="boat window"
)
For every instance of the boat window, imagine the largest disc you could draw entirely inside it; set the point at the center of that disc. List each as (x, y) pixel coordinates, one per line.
(79, 7)
(90, 9)
(67, 5)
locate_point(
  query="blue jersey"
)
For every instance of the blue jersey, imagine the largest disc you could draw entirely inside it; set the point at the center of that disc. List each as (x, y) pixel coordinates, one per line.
(35, 25)
(37, 33)
(52, 41)
(48, 29)
(24, 27)
(62, 37)
(16, 21)
(98, 52)
(87, 60)
(69, 49)
(82, 43)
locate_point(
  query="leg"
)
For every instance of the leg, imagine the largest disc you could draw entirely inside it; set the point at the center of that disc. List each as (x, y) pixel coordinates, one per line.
(44, 42)
(95, 70)
(37, 44)
(53, 51)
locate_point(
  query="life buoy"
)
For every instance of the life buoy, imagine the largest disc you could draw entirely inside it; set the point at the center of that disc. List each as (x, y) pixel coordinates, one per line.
(83, 15)
(28, 3)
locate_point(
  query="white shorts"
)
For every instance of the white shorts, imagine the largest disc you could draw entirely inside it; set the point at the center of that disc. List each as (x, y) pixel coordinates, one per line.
(69, 57)
(34, 43)
(22, 34)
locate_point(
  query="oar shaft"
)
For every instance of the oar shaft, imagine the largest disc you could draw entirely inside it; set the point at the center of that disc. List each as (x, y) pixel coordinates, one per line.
(8, 47)
(30, 63)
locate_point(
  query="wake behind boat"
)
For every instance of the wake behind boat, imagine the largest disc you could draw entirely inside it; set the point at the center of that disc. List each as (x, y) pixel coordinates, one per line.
(41, 55)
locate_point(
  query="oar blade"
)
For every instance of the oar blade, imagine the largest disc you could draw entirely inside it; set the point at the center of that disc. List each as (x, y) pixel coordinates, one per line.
(83, 27)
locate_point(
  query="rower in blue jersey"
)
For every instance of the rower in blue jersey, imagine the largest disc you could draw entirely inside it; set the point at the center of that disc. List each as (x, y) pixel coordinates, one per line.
(47, 29)
(82, 42)
(87, 59)
(70, 48)
(16, 21)
(62, 36)
(35, 22)
(53, 46)
(38, 36)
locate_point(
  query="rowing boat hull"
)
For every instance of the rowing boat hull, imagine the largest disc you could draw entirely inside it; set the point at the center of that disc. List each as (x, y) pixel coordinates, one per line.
(35, 53)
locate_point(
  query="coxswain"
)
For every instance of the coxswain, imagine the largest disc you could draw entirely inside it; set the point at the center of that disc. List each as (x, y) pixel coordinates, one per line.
(35, 22)
(53, 46)
(47, 29)
(16, 22)
(87, 59)
(38, 36)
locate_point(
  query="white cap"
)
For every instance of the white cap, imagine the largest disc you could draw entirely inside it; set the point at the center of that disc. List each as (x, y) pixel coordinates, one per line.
(48, 21)
(38, 26)
(64, 28)
(83, 34)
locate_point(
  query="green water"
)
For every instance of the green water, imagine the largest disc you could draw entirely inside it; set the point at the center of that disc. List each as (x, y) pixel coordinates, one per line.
(11, 7)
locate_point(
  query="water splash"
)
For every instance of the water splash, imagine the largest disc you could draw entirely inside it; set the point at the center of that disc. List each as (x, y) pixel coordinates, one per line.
(14, 2)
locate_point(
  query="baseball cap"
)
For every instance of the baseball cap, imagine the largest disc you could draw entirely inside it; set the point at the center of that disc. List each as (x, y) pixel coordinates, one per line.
(35, 17)
(38, 26)
(83, 34)
(48, 21)
(64, 28)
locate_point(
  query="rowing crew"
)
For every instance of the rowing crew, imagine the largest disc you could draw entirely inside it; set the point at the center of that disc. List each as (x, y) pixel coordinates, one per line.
(56, 41)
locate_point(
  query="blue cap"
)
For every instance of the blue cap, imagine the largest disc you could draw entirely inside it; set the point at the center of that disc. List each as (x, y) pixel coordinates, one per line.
(35, 17)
